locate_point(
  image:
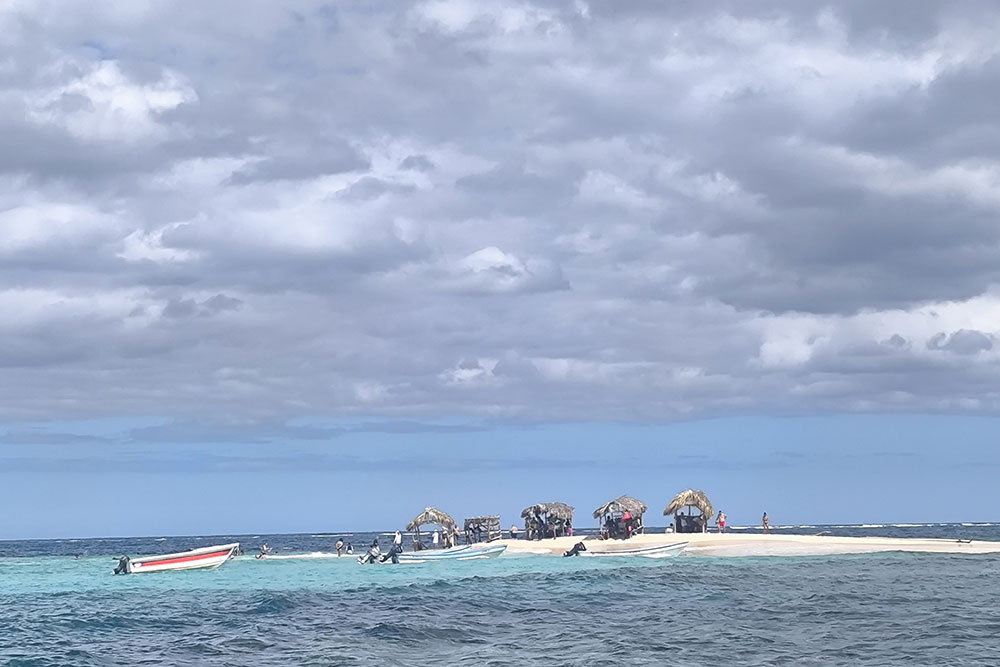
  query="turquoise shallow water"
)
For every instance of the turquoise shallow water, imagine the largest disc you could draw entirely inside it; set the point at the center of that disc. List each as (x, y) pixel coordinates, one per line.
(883, 609)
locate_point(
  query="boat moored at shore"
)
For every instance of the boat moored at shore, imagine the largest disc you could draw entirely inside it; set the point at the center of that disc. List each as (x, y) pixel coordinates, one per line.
(465, 552)
(655, 551)
(468, 552)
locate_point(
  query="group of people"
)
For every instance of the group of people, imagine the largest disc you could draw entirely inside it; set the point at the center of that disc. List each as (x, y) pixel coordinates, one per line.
(720, 522)
(439, 539)
(536, 528)
(621, 527)
(374, 552)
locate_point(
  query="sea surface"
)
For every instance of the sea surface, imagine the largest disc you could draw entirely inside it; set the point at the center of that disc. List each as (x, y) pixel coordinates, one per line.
(60, 605)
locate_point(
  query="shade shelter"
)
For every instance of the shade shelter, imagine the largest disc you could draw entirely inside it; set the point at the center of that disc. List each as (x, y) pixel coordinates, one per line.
(621, 518)
(690, 500)
(432, 516)
(482, 528)
(547, 520)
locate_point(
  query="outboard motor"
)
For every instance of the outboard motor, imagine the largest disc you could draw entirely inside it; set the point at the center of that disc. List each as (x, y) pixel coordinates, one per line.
(393, 554)
(371, 555)
(123, 565)
(577, 548)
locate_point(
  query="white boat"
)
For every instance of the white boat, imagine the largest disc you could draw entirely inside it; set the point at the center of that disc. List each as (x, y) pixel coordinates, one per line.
(465, 552)
(658, 551)
(195, 559)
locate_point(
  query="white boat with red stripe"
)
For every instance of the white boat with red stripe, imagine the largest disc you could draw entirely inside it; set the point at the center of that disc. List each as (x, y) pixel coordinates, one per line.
(196, 559)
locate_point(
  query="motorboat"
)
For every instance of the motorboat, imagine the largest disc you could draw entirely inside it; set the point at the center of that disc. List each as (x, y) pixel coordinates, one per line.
(656, 551)
(195, 559)
(464, 552)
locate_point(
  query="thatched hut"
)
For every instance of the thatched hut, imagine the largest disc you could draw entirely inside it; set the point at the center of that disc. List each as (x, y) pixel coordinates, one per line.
(482, 528)
(432, 516)
(621, 518)
(690, 499)
(547, 520)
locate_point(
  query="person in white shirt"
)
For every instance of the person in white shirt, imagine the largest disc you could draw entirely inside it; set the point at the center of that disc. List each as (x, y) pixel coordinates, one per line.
(435, 539)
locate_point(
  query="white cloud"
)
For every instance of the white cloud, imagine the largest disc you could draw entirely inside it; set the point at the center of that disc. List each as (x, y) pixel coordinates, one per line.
(141, 245)
(460, 15)
(577, 211)
(603, 188)
(491, 270)
(470, 373)
(38, 224)
(103, 104)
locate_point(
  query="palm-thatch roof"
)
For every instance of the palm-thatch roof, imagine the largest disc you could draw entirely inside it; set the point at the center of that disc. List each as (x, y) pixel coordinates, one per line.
(621, 505)
(432, 516)
(554, 510)
(489, 520)
(689, 498)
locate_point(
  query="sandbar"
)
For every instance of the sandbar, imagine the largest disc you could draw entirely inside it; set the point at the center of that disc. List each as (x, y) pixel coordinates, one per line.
(736, 544)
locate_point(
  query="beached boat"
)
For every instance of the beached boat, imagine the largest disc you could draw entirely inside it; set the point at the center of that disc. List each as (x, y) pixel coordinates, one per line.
(465, 552)
(204, 558)
(658, 551)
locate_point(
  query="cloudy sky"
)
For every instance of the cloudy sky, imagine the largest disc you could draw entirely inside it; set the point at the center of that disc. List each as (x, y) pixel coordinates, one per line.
(449, 224)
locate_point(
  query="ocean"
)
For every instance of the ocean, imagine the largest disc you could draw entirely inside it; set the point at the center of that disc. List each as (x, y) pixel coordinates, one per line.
(873, 609)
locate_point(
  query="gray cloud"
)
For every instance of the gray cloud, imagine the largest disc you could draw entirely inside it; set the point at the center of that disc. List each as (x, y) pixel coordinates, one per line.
(528, 210)
(417, 163)
(963, 341)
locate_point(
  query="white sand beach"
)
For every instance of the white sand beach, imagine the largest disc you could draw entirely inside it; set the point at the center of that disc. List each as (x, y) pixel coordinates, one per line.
(735, 544)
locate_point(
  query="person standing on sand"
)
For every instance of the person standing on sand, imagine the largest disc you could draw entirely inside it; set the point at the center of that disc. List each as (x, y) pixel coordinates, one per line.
(340, 547)
(721, 521)
(513, 532)
(765, 523)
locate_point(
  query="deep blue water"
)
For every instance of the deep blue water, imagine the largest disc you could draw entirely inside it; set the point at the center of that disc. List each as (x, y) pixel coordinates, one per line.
(879, 609)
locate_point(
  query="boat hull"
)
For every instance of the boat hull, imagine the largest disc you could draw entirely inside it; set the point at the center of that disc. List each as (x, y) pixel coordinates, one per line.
(660, 551)
(458, 553)
(195, 559)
